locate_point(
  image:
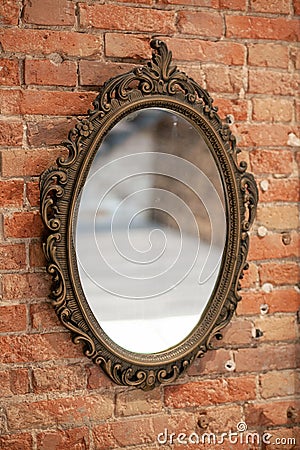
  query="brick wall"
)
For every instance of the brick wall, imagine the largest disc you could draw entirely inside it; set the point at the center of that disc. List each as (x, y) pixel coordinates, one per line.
(54, 55)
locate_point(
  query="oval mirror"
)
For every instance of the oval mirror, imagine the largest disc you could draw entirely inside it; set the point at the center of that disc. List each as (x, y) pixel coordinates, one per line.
(148, 221)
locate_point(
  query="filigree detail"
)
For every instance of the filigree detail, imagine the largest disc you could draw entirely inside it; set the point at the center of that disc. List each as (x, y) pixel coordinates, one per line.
(157, 84)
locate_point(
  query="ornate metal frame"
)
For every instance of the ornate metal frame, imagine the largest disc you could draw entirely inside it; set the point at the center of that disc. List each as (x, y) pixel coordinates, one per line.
(156, 84)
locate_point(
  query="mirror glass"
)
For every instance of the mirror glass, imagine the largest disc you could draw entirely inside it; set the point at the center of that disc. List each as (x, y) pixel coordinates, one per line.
(150, 230)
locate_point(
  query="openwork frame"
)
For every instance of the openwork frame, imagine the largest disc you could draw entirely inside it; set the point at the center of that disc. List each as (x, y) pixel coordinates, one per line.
(157, 84)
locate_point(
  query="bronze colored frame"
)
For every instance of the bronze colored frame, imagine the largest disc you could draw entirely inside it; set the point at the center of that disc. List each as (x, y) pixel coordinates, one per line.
(156, 84)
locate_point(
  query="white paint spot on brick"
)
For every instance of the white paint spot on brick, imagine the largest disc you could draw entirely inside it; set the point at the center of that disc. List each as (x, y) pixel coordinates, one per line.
(293, 140)
(262, 231)
(267, 287)
(264, 185)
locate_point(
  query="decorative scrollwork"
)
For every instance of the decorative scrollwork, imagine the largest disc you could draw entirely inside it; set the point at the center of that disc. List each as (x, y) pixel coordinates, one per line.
(156, 84)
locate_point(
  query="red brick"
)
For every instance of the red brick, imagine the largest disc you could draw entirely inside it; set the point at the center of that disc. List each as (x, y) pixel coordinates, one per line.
(13, 318)
(10, 101)
(275, 7)
(281, 190)
(11, 193)
(23, 225)
(200, 23)
(272, 246)
(59, 378)
(281, 217)
(47, 73)
(145, 2)
(33, 193)
(37, 347)
(9, 12)
(51, 131)
(265, 161)
(44, 318)
(263, 134)
(295, 56)
(281, 300)
(268, 55)
(97, 379)
(233, 4)
(291, 436)
(238, 332)
(210, 392)
(131, 403)
(278, 274)
(65, 411)
(27, 285)
(28, 162)
(278, 384)
(36, 255)
(211, 363)
(206, 3)
(45, 42)
(20, 441)
(12, 256)
(276, 328)
(296, 4)
(14, 382)
(223, 79)
(112, 17)
(272, 110)
(250, 27)
(127, 46)
(74, 438)
(222, 418)
(51, 12)
(271, 413)
(9, 72)
(11, 133)
(96, 73)
(271, 82)
(265, 358)
(236, 107)
(250, 276)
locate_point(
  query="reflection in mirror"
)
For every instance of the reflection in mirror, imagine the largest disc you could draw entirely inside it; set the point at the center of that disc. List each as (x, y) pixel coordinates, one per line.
(150, 230)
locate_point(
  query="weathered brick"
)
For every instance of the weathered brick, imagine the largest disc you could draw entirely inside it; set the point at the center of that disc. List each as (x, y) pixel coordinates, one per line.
(250, 27)
(27, 285)
(221, 419)
(211, 363)
(233, 4)
(263, 134)
(46, 72)
(51, 131)
(207, 3)
(14, 382)
(59, 378)
(113, 17)
(210, 392)
(281, 217)
(23, 224)
(269, 413)
(28, 162)
(268, 55)
(288, 436)
(236, 107)
(131, 403)
(272, 110)
(271, 82)
(201, 23)
(52, 12)
(277, 274)
(9, 12)
(33, 193)
(276, 328)
(46, 42)
(96, 378)
(44, 318)
(9, 72)
(296, 5)
(264, 161)
(12, 257)
(95, 73)
(278, 383)
(11, 193)
(36, 255)
(19, 441)
(73, 438)
(275, 7)
(279, 300)
(65, 411)
(11, 133)
(265, 358)
(273, 246)
(224, 79)
(37, 347)
(13, 318)
(250, 277)
(238, 332)
(281, 190)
